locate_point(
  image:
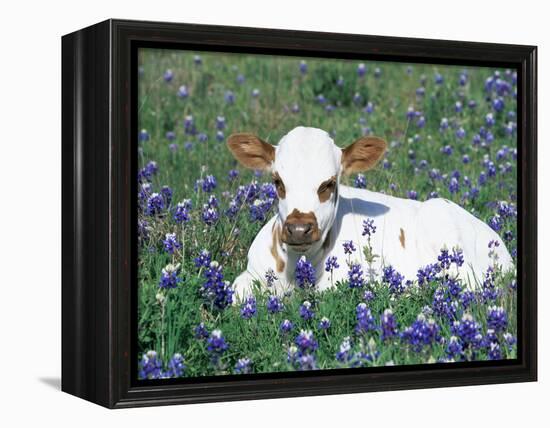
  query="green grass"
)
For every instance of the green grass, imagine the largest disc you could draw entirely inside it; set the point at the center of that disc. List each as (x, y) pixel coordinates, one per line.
(168, 327)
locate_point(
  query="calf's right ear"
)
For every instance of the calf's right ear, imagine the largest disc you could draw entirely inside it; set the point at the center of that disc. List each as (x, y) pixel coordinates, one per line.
(251, 151)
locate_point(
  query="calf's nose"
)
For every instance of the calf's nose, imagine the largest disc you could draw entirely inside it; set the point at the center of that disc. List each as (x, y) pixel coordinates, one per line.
(299, 232)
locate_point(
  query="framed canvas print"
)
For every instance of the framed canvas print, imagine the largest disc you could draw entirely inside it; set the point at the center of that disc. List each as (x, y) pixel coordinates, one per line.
(254, 213)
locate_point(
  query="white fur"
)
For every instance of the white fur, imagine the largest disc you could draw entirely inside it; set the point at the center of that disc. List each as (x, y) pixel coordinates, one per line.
(306, 157)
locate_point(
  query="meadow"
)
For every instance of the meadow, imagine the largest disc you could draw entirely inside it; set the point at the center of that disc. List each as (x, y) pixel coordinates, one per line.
(451, 133)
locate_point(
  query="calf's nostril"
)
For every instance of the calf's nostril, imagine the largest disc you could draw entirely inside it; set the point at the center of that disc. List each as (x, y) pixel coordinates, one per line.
(308, 228)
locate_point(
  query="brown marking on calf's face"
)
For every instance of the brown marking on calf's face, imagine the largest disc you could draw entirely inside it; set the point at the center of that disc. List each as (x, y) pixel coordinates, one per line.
(402, 237)
(299, 218)
(251, 151)
(279, 262)
(279, 185)
(326, 188)
(362, 155)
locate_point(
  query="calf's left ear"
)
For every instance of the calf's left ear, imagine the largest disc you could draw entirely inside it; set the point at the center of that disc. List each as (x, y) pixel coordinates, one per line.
(362, 155)
(251, 151)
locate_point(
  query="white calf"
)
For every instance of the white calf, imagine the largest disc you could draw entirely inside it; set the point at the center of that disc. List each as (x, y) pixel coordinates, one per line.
(316, 215)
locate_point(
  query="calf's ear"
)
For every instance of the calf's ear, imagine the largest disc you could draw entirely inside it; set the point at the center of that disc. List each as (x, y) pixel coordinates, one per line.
(362, 155)
(251, 151)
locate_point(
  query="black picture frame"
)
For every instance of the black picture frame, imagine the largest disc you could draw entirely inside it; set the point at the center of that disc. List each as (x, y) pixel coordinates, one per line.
(98, 195)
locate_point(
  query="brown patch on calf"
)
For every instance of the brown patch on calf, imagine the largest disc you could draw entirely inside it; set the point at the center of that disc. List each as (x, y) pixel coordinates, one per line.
(362, 155)
(298, 217)
(402, 237)
(326, 188)
(279, 185)
(279, 262)
(251, 151)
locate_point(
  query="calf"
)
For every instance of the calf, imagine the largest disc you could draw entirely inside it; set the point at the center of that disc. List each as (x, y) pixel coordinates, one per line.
(317, 214)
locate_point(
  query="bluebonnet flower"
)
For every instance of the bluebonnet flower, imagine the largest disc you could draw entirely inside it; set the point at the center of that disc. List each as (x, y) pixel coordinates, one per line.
(197, 60)
(324, 324)
(209, 215)
(215, 290)
(472, 104)
(447, 150)
(202, 137)
(233, 175)
(203, 259)
(509, 339)
(454, 348)
(360, 181)
(463, 79)
(348, 247)
(420, 91)
(497, 319)
(209, 183)
(150, 366)
(365, 320)
(369, 108)
(183, 92)
(411, 113)
(305, 273)
(331, 264)
(201, 332)
(274, 305)
(173, 147)
(388, 324)
(444, 258)
(369, 228)
(150, 169)
(321, 99)
(454, 185)
(248, 308)
(169, 276)
(427, 274)
(216, 343)
(305, 341)
(344, 353)
(181, 213)
(361, 70)
(240, 79)
(421, 333)
(155, 204)
(168, 76)
(170, 135)
(143, 229)
(458, 107)
(229, 97)
(270, 277)
(442, 305)
(355, 276)
(489, 119)
(394, 279)
(166, 194)
(466, 298)
(495, 223)
(443, 124)
(255, 93)
(438, 78)
(305, 311)
(465, 159)
(171, 243)
(368, 295)
(377, 72)
(175, 367)
(420, 122)
(460, 133)
(189, 125)
(468, 330)
(220, 136)
(286, 326)
(295, 108)
(412, 194)
(498, 104)
(494, 351)
(143, 135)
(303, 67)
(243, 366)
(259, 209)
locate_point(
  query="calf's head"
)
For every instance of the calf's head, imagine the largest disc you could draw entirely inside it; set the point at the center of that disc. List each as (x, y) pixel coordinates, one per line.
(306, 167)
